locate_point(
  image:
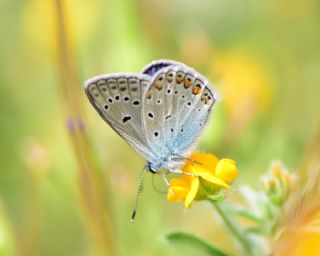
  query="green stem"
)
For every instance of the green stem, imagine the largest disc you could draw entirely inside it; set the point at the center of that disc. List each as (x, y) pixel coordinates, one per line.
(247, 249)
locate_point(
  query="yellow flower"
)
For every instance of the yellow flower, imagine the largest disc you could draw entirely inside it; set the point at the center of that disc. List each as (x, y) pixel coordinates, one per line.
(206, 176)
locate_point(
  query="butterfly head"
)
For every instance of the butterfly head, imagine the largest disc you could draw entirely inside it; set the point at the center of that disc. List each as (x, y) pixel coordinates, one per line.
(151, 168)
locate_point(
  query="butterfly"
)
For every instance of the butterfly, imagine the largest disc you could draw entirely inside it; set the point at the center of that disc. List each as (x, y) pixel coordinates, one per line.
(160, 112)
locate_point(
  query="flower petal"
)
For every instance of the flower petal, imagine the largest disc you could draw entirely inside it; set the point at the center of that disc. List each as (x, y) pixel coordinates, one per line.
(176, 194)
(192, 192)
(213, 179)
(178, 190)
(205, 160)
(226, 170)
(179, 182)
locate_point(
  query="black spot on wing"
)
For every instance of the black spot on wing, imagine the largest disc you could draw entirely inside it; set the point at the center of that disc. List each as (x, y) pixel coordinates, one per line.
(150, 114)
(136, 102)
(126, 119)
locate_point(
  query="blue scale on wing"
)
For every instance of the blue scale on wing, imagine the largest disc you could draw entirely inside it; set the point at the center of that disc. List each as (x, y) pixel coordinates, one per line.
(187, 86)
(194, 122)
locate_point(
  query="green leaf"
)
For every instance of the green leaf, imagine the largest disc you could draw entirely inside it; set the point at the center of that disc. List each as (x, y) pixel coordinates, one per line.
(193, 245)
(235, 209)
(257, 231)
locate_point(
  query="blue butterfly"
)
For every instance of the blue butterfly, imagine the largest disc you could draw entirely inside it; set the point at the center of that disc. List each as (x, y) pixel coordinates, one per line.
(160, 112)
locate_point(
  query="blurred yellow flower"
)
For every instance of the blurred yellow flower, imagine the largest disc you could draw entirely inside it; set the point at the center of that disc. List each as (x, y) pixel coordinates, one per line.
(206, 176)
(40, 16)
(36, 155)
(246, 85)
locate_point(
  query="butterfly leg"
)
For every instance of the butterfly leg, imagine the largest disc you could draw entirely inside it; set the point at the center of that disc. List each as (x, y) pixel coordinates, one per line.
(165, 178)
(182, 172)
(176, 172)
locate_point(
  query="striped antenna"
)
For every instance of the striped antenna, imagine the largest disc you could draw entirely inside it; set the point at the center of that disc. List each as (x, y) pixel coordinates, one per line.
(139, 190)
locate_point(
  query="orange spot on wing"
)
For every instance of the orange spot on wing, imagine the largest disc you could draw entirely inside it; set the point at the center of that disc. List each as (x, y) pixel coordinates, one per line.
(196, 90)
(187, 84)
(159, 86)
(179, 79)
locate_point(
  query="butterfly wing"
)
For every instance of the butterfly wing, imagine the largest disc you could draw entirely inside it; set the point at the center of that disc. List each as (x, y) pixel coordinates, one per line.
(118, 100)
(176, 106)
(156, 65)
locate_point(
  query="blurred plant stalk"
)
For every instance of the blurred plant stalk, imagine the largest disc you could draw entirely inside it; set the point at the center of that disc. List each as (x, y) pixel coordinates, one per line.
(299, 230)
(91, 186)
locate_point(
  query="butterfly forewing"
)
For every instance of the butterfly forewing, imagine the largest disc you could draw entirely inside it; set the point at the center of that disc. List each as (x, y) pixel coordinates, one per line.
(118, 100)
(176, 106)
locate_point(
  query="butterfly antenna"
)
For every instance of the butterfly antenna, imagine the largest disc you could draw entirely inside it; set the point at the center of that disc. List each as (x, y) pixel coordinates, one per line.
(139, 190)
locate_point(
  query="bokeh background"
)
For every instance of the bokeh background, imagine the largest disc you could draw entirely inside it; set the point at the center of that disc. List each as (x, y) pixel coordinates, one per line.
(68, 182)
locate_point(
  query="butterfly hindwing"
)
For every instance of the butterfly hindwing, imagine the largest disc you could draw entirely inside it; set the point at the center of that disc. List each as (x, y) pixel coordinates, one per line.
(118, 100)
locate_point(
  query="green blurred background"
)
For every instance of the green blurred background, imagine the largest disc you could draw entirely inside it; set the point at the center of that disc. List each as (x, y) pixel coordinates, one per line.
(68, 192)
